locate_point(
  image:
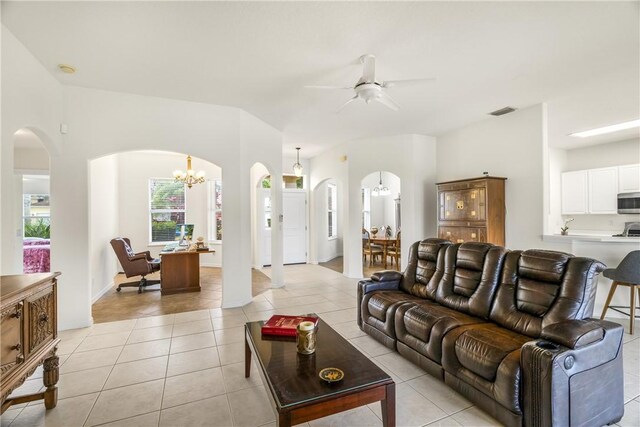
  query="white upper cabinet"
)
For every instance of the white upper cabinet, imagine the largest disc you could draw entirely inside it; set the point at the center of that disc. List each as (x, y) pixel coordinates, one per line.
(603, 191)
(574, 193)
(628, 178)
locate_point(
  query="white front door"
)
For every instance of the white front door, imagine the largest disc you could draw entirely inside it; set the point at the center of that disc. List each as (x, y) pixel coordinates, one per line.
(294, 233)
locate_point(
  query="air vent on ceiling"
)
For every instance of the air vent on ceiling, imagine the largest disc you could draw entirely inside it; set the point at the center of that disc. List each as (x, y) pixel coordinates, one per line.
(503, 111)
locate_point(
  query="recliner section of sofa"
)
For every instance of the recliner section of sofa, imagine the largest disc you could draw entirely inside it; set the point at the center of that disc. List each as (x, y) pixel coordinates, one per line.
(510, 330)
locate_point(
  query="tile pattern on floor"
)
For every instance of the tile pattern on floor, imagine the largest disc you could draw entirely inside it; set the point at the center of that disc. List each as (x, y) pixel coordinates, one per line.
(187, 369)
(128, 304)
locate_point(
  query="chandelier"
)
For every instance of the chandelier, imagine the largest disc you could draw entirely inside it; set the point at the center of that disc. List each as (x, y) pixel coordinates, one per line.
(380, 190)
(297, 167)
(189, 177)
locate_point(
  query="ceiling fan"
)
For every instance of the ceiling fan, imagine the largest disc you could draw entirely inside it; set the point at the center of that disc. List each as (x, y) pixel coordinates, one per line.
(368, 89)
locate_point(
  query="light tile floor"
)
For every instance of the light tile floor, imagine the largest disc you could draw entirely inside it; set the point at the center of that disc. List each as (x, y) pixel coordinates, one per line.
(187, 369)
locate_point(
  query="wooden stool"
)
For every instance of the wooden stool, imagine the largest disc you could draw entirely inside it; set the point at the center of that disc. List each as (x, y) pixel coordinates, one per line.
(626, 274)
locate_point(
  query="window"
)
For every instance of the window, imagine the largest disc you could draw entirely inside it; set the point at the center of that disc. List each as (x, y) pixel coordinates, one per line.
(366, 208)
(36, 216)
(332, 210)
(215, 210)
(167, 207)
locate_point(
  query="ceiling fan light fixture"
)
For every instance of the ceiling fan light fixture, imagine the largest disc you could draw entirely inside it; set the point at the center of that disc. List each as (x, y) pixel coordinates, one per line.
(297, 167)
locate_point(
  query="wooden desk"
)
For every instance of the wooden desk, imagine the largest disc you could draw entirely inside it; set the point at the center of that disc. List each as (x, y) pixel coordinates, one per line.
(29, 336)
(384, 242)
(180, 272)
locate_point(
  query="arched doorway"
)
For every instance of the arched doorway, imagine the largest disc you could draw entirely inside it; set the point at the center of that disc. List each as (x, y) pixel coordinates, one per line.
(381, 222)
(327, 219)
(33, 213)
(134, 194)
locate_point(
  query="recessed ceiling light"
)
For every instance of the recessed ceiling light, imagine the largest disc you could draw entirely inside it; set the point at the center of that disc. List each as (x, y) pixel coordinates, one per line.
(607, 129)
(65, 68)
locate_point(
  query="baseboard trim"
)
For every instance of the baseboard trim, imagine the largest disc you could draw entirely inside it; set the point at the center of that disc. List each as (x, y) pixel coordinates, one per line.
(102, 292)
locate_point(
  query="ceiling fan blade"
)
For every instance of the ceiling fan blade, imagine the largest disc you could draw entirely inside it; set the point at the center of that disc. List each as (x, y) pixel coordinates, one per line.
(387, 101)
(346, 103)
(328, 87)
(369, 72)
(411, 82)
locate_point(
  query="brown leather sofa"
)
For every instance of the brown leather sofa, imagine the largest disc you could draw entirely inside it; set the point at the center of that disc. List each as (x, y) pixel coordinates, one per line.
(510, 330)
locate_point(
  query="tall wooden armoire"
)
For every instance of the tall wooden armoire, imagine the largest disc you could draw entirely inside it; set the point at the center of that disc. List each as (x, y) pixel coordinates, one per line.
(472, 210)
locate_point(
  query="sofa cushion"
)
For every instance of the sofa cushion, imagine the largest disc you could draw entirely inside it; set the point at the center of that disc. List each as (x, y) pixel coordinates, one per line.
(380, 302)
(378, 309)
(422, 326)
(539, 288)
(487, 357)
(470, 279)
(481, 350)
(425, 268)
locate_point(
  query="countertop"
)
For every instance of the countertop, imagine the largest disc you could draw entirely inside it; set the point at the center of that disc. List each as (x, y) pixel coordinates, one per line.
(601, 238)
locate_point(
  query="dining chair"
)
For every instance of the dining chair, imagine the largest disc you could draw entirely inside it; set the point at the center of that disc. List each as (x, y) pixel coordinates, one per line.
(370, 249)
(393, 251)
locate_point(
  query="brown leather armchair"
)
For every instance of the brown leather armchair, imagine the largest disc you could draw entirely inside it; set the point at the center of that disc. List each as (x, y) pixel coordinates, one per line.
(134, 264)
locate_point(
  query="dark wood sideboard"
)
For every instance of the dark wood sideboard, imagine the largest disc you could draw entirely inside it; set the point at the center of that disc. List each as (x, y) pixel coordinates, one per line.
(28, 335)
(472, 210)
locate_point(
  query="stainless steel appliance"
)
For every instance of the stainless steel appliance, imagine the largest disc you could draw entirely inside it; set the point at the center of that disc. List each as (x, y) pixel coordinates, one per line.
(628, 203)
(631, 229)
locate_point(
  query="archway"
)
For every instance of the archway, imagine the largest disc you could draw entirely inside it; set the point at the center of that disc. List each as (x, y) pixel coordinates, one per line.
(33, 213)
(327, 219)
(133, 194)
(380, 204)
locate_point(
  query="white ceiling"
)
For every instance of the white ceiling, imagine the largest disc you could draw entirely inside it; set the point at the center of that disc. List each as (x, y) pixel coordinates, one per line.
(258, 56)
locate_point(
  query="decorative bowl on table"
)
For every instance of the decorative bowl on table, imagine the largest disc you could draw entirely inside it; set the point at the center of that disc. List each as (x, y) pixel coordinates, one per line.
(374, 231)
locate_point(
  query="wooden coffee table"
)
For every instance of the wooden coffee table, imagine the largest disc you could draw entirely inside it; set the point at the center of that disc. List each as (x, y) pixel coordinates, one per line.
(299, 395)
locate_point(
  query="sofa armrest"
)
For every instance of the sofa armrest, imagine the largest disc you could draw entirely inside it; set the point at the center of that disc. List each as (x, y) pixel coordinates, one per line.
(580, 385)
(367, 286)
(386, 276)
(574, 333)
(388, 285)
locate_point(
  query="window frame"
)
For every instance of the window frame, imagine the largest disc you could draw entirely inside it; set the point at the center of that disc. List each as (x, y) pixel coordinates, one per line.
(152, 211)
(366, 208)
(213, 210)
(332, 195)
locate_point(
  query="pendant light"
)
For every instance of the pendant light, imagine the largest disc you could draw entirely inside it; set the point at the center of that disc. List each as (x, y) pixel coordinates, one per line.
(380, 190)
(297, 167)
(189, 177)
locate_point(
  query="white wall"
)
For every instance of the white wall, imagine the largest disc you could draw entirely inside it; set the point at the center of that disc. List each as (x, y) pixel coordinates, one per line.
(104, 204)
(603, 155)
(31, 159)
(509, 146)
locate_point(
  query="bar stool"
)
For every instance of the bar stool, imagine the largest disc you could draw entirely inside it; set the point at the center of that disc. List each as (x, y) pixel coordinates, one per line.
(626, 274)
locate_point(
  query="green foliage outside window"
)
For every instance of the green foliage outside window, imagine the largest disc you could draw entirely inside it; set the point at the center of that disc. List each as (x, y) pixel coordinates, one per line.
(37, 227)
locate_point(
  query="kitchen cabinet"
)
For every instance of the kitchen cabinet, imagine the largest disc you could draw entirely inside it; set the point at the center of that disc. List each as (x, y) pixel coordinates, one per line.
(472, 210)
(603, 190)
(628, 178)
(574, 193)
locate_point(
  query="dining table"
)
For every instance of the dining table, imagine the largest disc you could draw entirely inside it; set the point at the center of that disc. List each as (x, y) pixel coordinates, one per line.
(385, 242)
